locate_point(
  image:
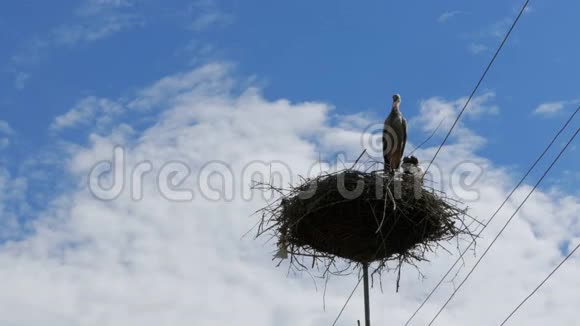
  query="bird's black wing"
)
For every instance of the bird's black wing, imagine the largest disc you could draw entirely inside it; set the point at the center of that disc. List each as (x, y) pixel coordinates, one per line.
(404, 140)
(386, 149)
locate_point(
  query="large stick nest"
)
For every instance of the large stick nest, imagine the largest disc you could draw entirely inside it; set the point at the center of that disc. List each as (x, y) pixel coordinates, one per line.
(361, 217)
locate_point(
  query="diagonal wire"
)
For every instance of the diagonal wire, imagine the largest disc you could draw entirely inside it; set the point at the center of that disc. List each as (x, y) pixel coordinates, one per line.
(428, 138)
(479, 82)
(494, 215)
(504, 227)
(347, 301)
(540, 285)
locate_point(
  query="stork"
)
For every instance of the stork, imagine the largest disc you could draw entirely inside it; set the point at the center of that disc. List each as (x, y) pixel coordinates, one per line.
(394, 137)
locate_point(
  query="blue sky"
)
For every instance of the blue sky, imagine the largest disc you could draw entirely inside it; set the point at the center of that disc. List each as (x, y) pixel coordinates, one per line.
(349, 55)
(291, 81)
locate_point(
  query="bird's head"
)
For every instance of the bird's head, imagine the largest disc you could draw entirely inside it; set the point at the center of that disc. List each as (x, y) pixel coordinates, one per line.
(411, 160)
(396, 102)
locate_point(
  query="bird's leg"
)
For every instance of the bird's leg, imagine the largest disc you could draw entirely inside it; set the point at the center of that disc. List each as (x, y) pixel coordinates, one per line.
(387, 166)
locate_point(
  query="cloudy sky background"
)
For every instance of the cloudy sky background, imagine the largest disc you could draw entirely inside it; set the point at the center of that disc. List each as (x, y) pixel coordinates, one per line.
(222, 87)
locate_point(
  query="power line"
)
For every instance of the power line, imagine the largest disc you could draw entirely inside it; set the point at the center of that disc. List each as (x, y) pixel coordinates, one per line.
(540, 285)
(428, 138)
(504, 227)
(479, 82)
(494, 214)
(347, 301)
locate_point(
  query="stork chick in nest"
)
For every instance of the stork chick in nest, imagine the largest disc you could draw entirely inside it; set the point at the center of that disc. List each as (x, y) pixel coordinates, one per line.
(411, 166)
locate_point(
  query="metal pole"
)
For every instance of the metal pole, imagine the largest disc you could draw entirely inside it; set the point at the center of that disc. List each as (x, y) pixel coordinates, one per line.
(366, 293)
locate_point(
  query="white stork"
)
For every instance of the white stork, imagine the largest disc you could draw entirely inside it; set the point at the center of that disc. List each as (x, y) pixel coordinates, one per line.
(394, 137)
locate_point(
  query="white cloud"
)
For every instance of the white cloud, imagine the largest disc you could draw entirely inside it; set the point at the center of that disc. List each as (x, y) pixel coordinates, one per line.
(20, 80)
(94, 20)
(88, 110)
(156, 262)
(479, 105)
(4, 142)
(498, 29)
(356, 121)
(550, 108)
(444, 17)
(12, 201)
(5, 128)
(92, 7)
(197, 53)
(96, 29)
(98, 19)
(488, 36)
(210, 78)
(438, 111)
(529, 9)
(206, 13)
(477, 48)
